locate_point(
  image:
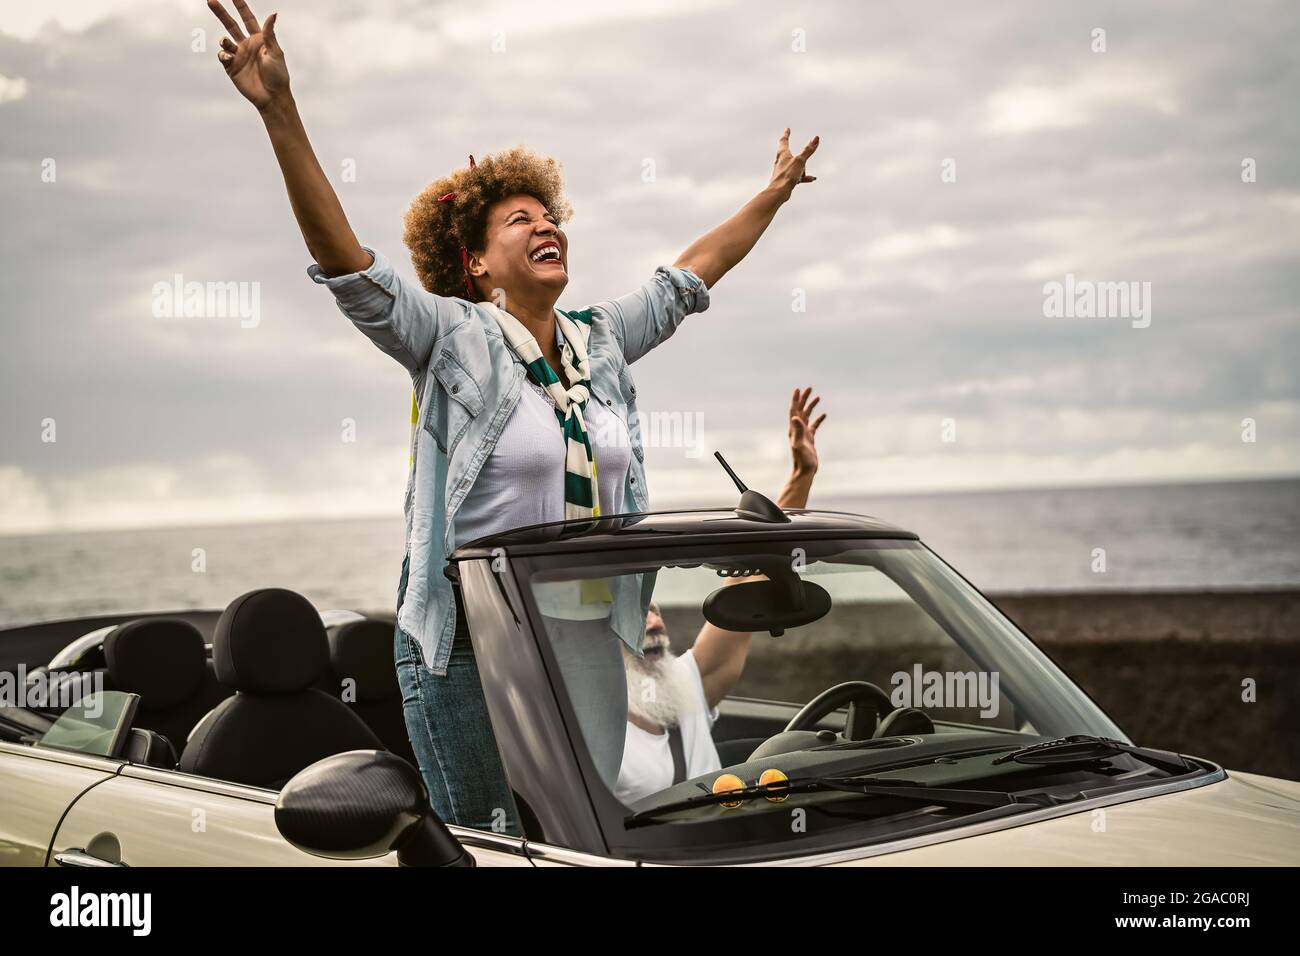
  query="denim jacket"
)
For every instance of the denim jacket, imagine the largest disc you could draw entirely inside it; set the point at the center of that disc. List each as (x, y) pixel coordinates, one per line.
(467, 381)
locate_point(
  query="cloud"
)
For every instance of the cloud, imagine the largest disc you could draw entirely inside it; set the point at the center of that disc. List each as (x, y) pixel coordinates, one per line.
(12, 88)
(128, 159)
(203, 490)
(1032, 107)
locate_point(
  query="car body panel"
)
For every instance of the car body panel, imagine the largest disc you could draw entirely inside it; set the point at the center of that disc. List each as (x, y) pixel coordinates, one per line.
(37, 789)
(1245, 820)
(159, 823)
(160, 818)
(156, 824)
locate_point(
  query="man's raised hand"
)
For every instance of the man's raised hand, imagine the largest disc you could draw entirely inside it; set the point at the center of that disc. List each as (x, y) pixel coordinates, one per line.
(803, 431)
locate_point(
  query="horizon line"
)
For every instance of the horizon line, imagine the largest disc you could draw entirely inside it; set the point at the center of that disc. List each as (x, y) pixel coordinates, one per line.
(682, 505)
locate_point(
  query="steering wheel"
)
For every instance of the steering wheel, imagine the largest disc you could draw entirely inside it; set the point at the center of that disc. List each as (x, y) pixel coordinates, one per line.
(868, 704)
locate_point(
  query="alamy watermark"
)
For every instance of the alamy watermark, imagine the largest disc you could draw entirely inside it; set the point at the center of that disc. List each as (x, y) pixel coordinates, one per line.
(133, 911)
(1084, 299)
(178, 299)
(41, 690)
(655, 430)
(927, 689)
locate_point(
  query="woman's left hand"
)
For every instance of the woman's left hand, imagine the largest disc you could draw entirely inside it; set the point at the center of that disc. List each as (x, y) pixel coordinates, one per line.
(714, 254)
(788, 170)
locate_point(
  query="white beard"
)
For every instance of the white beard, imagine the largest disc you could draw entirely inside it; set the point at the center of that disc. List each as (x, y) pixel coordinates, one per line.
(658, 691)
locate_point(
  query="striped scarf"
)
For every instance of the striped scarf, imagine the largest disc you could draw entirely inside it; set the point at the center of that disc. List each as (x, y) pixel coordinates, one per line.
(581, 499)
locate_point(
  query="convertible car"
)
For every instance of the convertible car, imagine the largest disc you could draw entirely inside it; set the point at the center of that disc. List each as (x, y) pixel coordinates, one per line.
(887, 714)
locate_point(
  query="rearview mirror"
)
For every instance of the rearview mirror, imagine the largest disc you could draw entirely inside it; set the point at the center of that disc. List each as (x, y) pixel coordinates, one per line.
(365, 803)
(770, 606)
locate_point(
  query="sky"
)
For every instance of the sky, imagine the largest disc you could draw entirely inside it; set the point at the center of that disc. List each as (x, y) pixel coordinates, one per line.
(971, 156)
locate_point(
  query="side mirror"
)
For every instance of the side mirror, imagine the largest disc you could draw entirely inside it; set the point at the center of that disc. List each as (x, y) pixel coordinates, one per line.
(365, 803)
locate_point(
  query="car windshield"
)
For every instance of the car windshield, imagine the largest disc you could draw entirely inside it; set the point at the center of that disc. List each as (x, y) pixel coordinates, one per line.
(690, 671)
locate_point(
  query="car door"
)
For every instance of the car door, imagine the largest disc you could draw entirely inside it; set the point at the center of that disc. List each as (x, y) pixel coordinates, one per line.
(37, 787)
(149, 817)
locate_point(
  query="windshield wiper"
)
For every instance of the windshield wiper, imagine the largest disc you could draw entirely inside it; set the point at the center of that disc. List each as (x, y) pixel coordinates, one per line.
(867, 786)
(1084, 748)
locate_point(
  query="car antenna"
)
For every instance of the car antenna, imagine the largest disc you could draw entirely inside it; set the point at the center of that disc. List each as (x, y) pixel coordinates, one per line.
(753, 505)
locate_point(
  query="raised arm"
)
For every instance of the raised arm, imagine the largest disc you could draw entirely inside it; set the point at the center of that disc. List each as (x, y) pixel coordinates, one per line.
(720, 655)
(715, 253)
(255, 64)
(803, 449)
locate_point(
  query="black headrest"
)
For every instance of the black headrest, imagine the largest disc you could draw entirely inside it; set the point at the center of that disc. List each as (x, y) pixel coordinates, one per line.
(162, 659)
(270, 641)
(362, 651)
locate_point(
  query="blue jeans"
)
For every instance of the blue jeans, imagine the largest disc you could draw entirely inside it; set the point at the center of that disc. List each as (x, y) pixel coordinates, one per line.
(447, 722)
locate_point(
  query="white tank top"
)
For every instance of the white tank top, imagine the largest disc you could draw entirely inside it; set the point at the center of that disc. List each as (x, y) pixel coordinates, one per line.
(522, 481)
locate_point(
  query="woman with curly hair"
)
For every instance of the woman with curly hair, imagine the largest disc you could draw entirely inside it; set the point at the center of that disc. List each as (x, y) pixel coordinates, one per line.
(523, 412)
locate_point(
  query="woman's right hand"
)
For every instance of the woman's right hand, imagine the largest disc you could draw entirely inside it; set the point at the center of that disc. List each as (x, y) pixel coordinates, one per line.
(254, 63)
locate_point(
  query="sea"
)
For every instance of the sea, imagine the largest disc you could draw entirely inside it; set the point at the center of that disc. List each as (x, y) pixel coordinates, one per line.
(1185, 537)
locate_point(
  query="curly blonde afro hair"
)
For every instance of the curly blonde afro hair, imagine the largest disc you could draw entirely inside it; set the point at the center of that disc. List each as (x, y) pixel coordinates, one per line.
(436, 230)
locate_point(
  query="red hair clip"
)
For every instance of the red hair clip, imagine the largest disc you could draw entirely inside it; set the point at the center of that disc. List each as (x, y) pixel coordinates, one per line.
(448, 197)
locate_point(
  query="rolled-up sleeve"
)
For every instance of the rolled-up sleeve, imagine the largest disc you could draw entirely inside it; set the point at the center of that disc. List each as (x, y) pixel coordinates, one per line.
(643, 319)
(401, 318)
